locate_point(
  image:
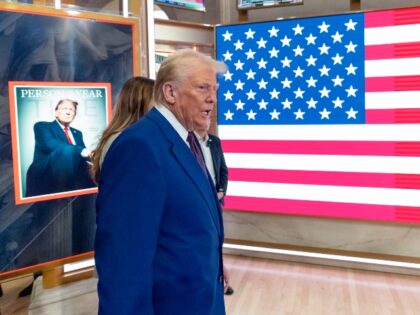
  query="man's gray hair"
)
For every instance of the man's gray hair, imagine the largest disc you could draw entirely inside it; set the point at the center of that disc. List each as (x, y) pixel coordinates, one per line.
(179, 66)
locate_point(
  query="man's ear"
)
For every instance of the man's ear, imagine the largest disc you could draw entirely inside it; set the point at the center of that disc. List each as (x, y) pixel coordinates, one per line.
(169, 93)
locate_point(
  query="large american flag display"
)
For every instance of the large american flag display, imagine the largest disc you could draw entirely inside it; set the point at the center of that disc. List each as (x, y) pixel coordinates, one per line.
(321, 116)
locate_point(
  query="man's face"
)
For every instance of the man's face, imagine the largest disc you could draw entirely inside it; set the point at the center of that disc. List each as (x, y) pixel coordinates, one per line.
(65, 113)
(195, 98)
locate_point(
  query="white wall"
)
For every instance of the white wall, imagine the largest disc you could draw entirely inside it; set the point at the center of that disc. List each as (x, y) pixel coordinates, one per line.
(387, 4)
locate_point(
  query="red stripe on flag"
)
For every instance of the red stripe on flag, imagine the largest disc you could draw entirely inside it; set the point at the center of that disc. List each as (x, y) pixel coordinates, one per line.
(404, 181)
(392, 17)
(408, 214)
(384, 148)
(401, 83)
(321, 208)
(406, 50)
(393, 116)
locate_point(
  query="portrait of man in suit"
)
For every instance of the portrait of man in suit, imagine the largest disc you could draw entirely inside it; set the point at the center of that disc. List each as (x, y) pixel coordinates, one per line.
(60, 160)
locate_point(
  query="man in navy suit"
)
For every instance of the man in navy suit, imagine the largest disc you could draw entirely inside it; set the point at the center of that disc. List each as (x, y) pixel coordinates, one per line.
(158, 247)
(60, 156)
(215, 162)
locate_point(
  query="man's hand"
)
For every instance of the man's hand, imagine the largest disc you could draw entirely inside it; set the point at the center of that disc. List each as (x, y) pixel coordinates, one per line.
(220, 195)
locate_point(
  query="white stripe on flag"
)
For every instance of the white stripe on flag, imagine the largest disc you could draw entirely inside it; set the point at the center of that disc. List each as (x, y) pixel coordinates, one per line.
(392, 100)
(392, 67)
(335, 163)
(399, 132)
(363, 195)
(392, 34)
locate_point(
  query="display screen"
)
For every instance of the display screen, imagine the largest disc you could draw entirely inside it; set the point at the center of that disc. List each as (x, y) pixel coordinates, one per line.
(197, 5)
(253, 4)
(44, 59)
(320, 116)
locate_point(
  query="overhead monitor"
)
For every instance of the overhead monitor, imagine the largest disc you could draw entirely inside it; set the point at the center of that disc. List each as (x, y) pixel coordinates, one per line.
(255, 4)
(197, 5)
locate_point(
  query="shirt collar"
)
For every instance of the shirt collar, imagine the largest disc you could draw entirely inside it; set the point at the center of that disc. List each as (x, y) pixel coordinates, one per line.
(61, 125)
(173, 121)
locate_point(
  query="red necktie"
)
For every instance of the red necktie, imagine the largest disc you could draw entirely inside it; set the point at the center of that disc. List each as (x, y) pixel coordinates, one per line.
(66, 131)
(196, 151)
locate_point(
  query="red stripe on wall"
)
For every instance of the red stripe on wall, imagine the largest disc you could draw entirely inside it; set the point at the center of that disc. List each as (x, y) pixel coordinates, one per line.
(404, 181)
(320, 208)
(392, 51)
(375, 148)
(385, 84)
(392, 17)
(393, 116)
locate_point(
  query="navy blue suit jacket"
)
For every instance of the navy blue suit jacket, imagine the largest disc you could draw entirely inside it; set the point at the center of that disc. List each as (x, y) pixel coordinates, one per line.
(219, 164)
(57, 165)
(158, 247)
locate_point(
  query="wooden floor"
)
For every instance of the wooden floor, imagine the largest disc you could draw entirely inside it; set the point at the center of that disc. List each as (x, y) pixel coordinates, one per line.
(269, 287)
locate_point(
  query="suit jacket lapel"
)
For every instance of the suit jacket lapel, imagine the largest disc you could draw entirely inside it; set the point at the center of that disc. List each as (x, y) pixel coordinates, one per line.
(188, 162)
(59, 131)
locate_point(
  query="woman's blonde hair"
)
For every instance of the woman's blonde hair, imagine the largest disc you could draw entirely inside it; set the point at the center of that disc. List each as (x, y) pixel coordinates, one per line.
(133, 102)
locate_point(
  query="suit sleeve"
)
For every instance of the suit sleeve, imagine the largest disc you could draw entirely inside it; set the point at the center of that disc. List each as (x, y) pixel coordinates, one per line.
(129, 210)
(48, 142)
(223, 170)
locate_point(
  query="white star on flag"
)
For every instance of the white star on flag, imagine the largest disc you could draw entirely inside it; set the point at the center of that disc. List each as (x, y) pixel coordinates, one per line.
(249, 34)
(311, 103)
(227, 36)
(262, 84)
(298, 29)
(274, 53)
(239, 85)
(261, 63)
(239, 105)
(227, 56)
(351, 91)
(238, 45)
(351, 113)
(275, 114)
(310, 40)
(261, 43)
(337, 37)
(250, 54)
(323, 27)
(274, 73)
(285, 41)
(286, 83)
(311, 61)
(250, 74)
(239, 65)
(351, 69)
(325, 92)
(251, 95)
(229, 115)
(263, 104)
(351, 25)
(251, 115)
(337, 80)
(299, 114)
(351, 47)
(338, 102)
(274, 94)
(273, 32)
(325, 114)
(228, 95)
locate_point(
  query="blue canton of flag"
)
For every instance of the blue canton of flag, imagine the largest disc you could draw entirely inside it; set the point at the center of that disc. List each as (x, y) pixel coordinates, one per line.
(309, 71)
